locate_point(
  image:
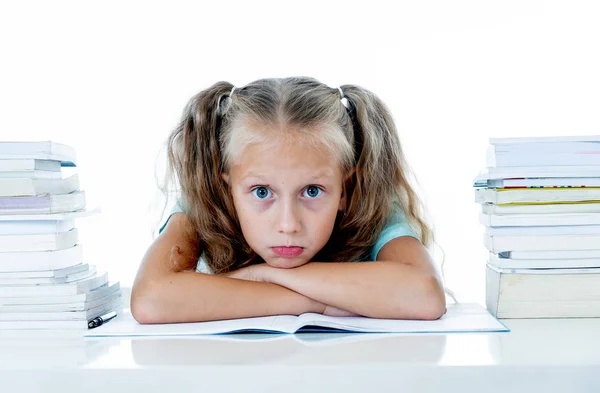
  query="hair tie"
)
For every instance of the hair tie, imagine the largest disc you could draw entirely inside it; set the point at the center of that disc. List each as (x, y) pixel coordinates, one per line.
(219, 107)
(343, 99)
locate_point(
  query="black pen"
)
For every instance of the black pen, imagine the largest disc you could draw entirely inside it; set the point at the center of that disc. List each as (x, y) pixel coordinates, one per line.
(101, 319)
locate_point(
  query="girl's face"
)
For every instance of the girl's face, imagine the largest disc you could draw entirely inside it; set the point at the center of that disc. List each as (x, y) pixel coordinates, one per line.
(286, 196)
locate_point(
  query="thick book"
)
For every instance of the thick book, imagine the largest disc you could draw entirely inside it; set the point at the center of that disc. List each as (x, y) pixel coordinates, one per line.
(544, 230)
(30, 174)
(44, 242)
(79, 324)
(541, 209)
(61, 307)
(501, 196)
(557, 141)
(546, 151)
(500, 262)
(481, 180)
(73, 288)
(35, 261)
(462, 317)
(35, 227)
(516, 159)
(42, 150)
(52, 274)
(29, 164)
(68, 215)
(548, 219)
(43, 204)
(552, 254)
(35, 187)
(538, 182)
(39, 316)
(73, 277)
(499, 243)
(102, 291)
(549, 293)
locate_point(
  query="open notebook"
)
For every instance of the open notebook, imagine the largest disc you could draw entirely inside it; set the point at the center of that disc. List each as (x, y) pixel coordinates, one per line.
(464, 317)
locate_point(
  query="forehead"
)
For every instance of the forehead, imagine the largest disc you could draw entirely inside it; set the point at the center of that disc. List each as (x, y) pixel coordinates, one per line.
(294, 151)
(286, 161)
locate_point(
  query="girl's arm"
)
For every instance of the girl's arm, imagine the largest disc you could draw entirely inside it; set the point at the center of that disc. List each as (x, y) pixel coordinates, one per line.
(402, 284)
(163, 292)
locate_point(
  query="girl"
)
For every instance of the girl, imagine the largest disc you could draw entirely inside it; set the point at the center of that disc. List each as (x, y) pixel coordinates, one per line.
(283, 183)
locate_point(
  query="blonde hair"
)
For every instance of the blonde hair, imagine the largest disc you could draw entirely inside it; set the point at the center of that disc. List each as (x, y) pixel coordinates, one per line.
(211, 135)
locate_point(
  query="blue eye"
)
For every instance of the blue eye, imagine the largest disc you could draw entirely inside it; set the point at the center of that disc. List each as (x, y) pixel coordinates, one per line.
(263, 192)
(313, 191)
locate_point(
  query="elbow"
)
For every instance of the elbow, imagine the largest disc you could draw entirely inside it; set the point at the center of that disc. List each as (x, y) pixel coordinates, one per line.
(433, 303)
(144, 307)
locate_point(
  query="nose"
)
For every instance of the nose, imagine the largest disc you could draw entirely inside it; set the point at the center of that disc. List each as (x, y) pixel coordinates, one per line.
(289, 218)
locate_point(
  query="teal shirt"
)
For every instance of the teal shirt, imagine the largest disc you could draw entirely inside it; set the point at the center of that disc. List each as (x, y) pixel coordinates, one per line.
(396, 226)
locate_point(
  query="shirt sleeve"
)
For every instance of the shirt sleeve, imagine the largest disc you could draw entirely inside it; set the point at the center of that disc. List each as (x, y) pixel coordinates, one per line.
(396, 226)
(176, 209)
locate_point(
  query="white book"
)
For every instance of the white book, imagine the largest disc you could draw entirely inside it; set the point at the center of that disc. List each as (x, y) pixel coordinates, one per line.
(531, 172)
(83, 315)
(506, 152)
(544, 139)
(46, 204)
(42, 150)
(61, 307)
(544, 171)
(30, 174)
(511, 220)
(497, 244)
(520, 159)
(104, 290)
(45, 242)
(541, 209)
(51, 216)
(80, 324)
(32, 227)
(78, 276)
(556, 265)
(552, 254)
(544, 230)
(33, 187)
(571, 294)
(549, 182)
(459, 317)
(500, 196)
(34, 261)
(29, 164)
(86, 285)
(56, 273)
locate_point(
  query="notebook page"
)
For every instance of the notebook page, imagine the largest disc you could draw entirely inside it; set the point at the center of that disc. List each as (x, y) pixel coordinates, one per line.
(464, 317)
(125, 326)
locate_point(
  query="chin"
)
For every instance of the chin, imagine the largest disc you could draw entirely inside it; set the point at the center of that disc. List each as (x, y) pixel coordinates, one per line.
(286, 263)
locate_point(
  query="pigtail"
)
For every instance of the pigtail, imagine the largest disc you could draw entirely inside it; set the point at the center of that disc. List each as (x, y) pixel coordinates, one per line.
(382, 173)
(197, 159)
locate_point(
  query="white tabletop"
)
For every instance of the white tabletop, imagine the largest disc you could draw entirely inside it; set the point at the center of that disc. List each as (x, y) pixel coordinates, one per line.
(553, 355)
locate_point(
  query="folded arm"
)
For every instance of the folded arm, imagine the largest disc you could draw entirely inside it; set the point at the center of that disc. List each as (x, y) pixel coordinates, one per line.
(168, 290)
(401, 284)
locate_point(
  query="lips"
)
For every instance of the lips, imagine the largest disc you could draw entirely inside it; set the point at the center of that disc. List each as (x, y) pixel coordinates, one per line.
(288, 252)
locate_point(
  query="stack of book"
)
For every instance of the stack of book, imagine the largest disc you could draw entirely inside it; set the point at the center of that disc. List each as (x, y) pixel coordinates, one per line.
(44, 280)
(540, 201)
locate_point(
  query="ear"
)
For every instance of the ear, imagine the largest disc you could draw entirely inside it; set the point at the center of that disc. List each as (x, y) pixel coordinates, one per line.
(225, 177)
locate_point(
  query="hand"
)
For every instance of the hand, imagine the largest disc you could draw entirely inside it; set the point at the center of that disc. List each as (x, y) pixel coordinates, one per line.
(337, 312)
(259, 273)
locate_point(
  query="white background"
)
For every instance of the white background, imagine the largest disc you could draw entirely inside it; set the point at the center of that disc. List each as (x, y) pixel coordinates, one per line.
(111, 79)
